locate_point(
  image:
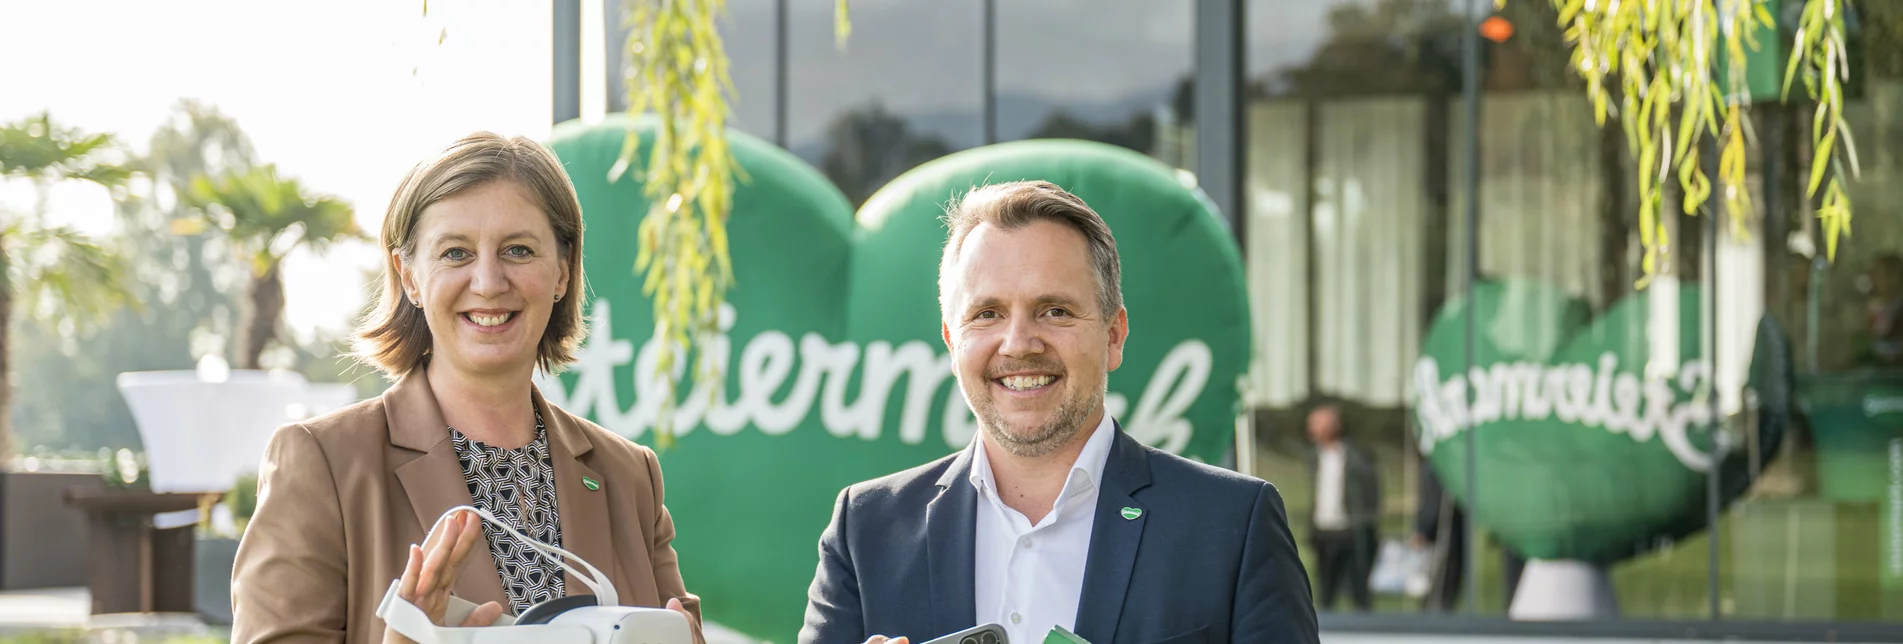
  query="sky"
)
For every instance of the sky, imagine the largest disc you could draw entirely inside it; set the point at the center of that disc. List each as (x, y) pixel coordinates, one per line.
(344, 95)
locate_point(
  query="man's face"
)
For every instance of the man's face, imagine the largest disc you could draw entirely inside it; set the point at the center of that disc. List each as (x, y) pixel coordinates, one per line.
(1324, 425)
(1030, 344)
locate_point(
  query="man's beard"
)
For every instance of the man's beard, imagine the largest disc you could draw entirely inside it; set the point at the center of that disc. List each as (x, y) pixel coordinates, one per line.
(1078, 403)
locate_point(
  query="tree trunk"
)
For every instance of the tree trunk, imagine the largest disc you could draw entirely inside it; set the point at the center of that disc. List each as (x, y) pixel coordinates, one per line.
(7, 446)
(261, 318)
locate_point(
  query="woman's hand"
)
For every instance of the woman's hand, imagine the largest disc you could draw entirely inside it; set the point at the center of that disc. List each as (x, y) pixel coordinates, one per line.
(676, 606)
(431, 572)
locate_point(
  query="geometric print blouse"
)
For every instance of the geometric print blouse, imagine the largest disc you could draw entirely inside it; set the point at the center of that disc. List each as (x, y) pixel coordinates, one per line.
(518, 486)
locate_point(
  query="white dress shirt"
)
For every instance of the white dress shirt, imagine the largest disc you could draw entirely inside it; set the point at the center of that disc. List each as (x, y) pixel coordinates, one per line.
(1331, 513)
(1029, 577)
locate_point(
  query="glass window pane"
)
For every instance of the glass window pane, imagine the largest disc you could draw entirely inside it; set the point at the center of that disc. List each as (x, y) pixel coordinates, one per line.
(1606, 404)
(1347, 203)
(905, 89)
(751, 34)
(1111, 71)
(1819, 536)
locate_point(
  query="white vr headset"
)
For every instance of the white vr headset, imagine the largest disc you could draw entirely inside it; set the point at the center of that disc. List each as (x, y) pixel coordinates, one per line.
(575, 619)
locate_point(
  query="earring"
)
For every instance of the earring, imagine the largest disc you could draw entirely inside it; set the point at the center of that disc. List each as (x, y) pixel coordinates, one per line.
(558, 297)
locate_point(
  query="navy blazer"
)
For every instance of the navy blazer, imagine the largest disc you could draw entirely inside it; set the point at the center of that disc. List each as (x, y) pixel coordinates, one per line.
(1210, 558)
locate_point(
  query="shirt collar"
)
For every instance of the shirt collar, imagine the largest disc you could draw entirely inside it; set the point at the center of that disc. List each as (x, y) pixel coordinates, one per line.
(1089, 465)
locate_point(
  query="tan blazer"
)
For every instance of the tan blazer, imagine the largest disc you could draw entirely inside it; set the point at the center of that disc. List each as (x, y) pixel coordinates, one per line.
(341, 498)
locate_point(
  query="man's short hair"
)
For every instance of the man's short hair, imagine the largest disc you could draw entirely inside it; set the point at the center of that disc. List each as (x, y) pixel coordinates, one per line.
(1011, 206)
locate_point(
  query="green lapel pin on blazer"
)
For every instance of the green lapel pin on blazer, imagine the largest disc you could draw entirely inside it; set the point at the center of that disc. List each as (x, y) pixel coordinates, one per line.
(1131, 514)
(590, 484)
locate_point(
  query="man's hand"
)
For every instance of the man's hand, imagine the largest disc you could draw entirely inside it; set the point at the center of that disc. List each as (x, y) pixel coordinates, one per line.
(880, 639)
(432, 569)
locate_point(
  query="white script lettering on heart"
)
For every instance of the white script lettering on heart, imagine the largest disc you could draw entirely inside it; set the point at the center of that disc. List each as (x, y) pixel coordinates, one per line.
(1573, 393)
(824, 370)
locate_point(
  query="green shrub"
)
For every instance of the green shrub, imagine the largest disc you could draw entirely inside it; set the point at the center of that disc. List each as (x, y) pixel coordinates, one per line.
(243, 498)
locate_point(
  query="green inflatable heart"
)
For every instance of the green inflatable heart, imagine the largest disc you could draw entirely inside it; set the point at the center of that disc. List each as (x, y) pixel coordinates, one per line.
(835, 369)
(1593, 436)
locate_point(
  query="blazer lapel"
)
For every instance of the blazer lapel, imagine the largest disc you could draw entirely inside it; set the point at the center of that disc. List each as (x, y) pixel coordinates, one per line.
(951, 548)
(1113, 540)
(434, 481)
(583, 511)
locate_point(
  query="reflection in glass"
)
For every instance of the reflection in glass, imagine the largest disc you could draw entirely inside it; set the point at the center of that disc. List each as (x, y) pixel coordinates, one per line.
(1111, 71)
(1353, 47)
(906, 88)
(1346, 198)
(1820, 537)
(750, 34)
(1355, 245)
(1793, 363)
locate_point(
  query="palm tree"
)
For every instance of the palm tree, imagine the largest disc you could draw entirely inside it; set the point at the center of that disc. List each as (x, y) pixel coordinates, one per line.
(53, 270)
(266, 217)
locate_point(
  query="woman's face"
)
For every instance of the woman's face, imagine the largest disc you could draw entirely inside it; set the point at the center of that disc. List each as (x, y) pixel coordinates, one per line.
(487, 271)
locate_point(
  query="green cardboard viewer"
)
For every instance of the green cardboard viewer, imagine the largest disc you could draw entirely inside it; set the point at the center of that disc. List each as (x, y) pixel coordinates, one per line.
(1061, 635)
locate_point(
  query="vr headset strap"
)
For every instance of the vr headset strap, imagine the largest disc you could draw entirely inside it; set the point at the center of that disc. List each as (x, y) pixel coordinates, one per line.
(406, 618)
(599, 584)
(409, 620)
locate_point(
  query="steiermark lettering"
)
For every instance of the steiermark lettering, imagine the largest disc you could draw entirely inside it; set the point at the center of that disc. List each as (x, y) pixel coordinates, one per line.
(820, 371)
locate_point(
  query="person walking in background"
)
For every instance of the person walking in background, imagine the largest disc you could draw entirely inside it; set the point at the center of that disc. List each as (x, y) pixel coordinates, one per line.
(1346, 514)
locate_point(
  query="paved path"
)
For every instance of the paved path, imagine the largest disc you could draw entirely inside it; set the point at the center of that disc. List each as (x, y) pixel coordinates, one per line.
(63, 613)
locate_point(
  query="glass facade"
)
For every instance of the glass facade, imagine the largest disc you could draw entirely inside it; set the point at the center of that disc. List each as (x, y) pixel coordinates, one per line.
(1546, 426)
(905, 88)
(751, 34)
(1775, 494)
(1114, 72)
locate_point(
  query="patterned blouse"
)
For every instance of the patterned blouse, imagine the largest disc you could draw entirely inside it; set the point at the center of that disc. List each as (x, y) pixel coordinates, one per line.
(518, 486)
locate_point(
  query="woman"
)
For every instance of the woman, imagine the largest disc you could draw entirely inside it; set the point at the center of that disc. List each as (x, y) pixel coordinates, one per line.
(482, 286)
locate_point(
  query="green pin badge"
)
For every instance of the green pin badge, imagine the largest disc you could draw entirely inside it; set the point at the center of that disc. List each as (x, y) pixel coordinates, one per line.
(592, 485)
(1131, 514)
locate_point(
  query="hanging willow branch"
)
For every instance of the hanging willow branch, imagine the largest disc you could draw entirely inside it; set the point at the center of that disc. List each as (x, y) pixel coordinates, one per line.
(1825, 66)
(1664, 54)
(677, 69)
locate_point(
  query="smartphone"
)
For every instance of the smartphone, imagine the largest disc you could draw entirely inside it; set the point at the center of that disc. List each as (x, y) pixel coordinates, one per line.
(986, 634)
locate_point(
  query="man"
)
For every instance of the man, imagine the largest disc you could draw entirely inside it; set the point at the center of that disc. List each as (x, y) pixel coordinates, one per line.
(1053, 517)
(1346, 512)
